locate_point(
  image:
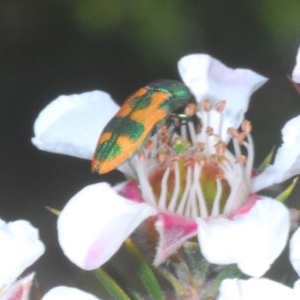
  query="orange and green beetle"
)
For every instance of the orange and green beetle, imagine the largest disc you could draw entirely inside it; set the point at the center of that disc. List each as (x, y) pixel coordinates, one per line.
(147, 109)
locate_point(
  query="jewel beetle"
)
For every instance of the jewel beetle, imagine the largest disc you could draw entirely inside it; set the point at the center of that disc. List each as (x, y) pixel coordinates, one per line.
(143, 112)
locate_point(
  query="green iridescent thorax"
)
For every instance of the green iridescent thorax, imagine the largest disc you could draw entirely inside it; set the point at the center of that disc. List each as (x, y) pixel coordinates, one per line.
(179, 93)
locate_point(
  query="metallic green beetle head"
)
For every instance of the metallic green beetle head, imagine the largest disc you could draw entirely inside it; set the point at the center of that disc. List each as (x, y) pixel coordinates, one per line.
(179, 93)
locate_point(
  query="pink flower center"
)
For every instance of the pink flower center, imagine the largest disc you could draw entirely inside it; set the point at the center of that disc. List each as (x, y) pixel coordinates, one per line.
(194, 173)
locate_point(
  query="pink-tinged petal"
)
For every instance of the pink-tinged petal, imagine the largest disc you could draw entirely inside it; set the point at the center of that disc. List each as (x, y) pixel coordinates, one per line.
(295, 251)
(72, 124)
(68, 293)
(287, 160)
(16, 236)
(247, 206)
(252, 241)
(209, 79)
(173, 232)
(296, 71)
(130, 190)
(19, 290)
(95, 222)
(255, 289)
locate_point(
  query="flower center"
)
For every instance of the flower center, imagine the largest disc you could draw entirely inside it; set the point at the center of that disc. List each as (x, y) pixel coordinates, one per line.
(195, 173)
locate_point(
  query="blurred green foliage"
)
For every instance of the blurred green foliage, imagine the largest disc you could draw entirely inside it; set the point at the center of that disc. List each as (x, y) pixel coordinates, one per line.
(282, 18)
(164, 30)
(157, 27)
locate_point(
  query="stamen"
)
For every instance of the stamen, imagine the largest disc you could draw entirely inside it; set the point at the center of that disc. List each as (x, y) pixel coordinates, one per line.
(241, 138)
(191, 109)
(220, 148)
(235, 177)
(187, 192)
(200, 200)
(236, 147)
(192, 132)
(188, 208)
(220, 106)
(162, 202)
(246, 126)
(183, 131)
(146, 189)
(233, 132)
(227, 171)
(206, 105)
(209, 130)
(227, 166)
(175, 195)
(216, 205)
(241, 159)
(250, 160)
(235, 186)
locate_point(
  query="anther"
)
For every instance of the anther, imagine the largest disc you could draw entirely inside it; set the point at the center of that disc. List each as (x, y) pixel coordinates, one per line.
(209, 130)
(206, 104)
(233, 132)
(221, 147)
(220, 106)
(246, 126)
(191, 109)
(242, 159)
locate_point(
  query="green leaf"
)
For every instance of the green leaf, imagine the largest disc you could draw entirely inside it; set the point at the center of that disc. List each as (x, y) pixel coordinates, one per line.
(144, 271)
(177, 285)
(286, 193)
(111, 285)
(267, 161)
(53, 210)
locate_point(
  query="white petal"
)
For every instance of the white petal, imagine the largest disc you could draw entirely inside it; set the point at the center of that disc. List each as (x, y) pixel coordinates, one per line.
(68, 293)
(295, 251)
(296, 71)
(19, 290)
(287, 160)
(209, 79)
(252, 241)
(255, 289)
(297, 288)
(72, 124)
(20, 247)
(95, 222)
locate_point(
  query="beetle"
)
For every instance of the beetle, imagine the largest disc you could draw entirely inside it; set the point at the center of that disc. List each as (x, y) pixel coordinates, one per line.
(143, 112)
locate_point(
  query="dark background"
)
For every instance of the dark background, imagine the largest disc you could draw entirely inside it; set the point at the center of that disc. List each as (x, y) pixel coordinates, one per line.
(54, 47)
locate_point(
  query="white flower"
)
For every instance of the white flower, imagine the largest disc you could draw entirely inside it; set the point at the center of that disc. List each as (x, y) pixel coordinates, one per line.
(263, 288)
(287, 160)
(204, 190)
(18, 290)
(97, 211)
(211, 80)
(257, 289)
(68, 293)
(20, 247)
